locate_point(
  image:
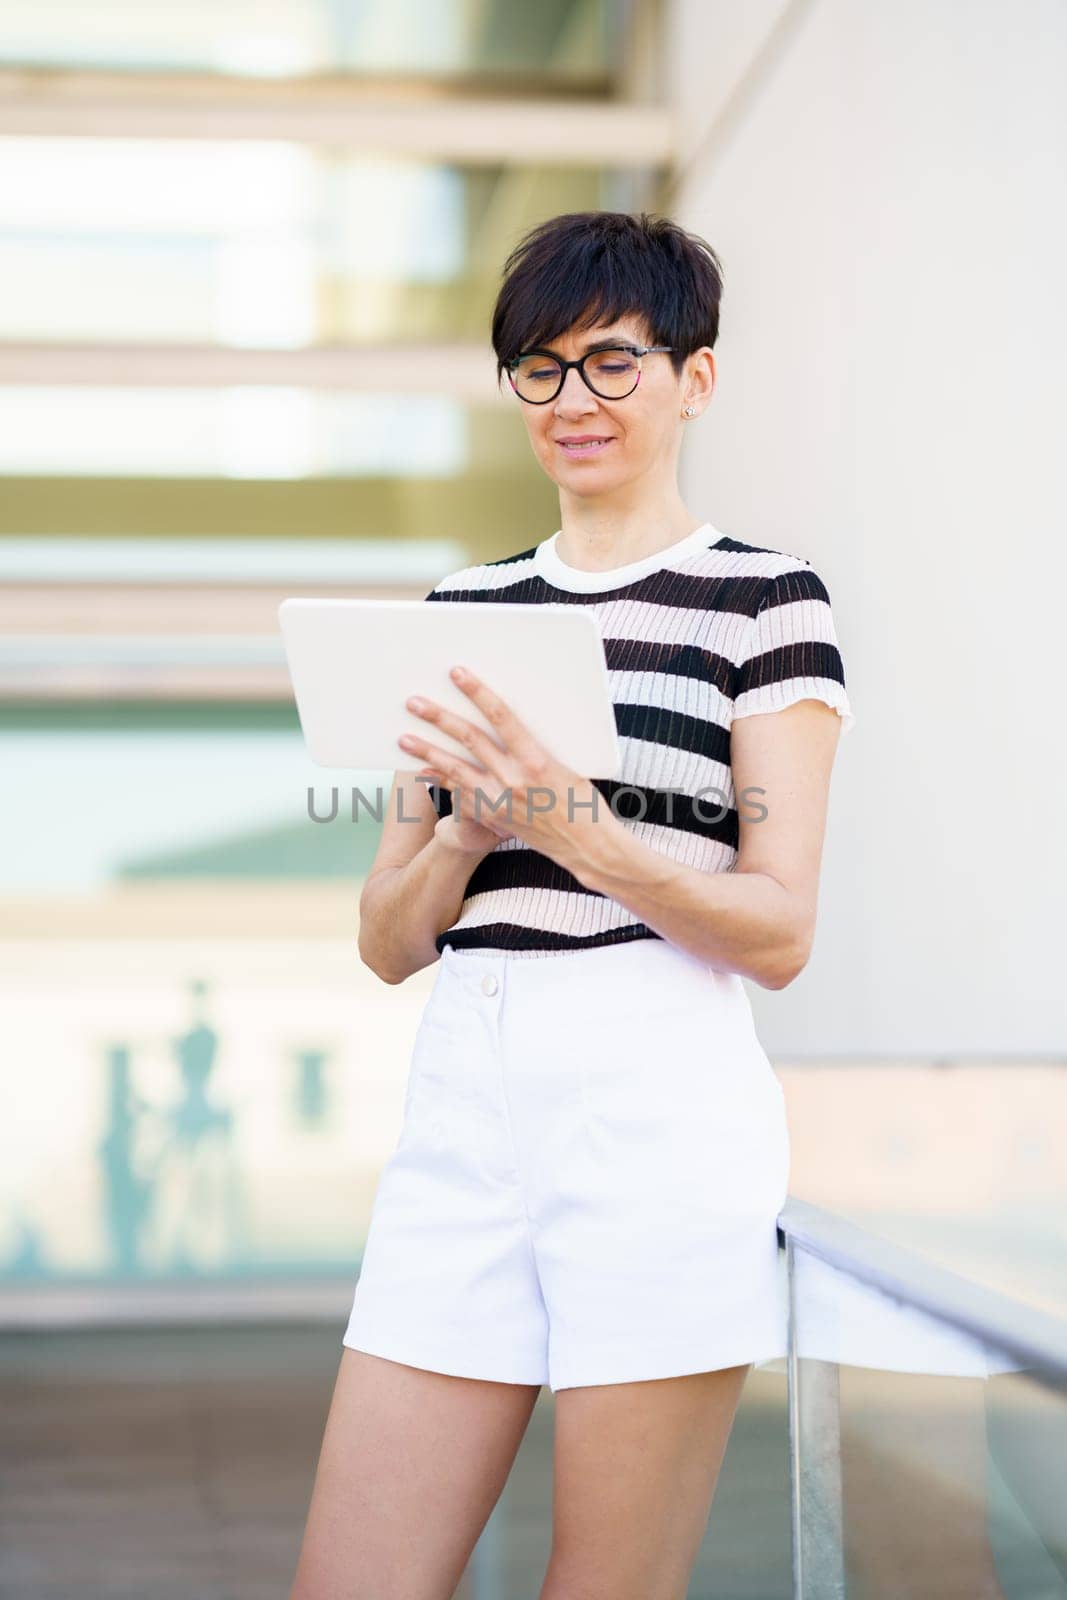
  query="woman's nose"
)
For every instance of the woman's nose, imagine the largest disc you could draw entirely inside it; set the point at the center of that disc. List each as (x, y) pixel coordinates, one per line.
(574, 395)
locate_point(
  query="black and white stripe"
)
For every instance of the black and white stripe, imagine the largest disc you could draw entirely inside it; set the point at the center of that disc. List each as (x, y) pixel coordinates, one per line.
(717, 630)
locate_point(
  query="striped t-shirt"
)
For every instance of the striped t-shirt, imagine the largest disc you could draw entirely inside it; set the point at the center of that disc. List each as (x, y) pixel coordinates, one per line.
(695, 635)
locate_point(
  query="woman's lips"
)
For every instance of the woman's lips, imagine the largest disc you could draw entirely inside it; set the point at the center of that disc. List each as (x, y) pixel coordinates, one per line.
(574, 451)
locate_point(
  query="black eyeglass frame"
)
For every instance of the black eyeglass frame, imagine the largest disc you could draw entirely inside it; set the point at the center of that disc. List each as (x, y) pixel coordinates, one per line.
(565, 366)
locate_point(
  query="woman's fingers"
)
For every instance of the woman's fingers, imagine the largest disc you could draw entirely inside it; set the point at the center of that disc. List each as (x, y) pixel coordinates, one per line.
(451, 770)
(514, 735)
(519, 771)
(475, 739)
(474, 800)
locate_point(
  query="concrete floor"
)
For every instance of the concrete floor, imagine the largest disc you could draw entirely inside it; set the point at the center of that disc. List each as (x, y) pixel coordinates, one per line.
(176, 1464)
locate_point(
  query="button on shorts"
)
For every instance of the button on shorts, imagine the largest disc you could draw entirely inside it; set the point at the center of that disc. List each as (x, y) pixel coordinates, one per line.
(593, 1155)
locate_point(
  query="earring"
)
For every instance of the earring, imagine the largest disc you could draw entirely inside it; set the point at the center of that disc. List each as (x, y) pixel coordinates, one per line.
(690, 411)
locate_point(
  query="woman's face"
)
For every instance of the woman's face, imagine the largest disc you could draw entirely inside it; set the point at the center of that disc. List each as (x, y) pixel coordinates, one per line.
(641, 432)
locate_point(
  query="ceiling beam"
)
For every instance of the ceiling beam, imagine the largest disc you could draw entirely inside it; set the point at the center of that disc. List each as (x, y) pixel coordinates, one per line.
(463, 370)
(410, 118)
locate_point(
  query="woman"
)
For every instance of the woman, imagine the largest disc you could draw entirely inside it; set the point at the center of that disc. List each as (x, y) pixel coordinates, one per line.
(594, 1148)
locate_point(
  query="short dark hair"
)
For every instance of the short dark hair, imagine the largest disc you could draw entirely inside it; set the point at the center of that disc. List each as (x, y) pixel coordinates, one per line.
(588, 267)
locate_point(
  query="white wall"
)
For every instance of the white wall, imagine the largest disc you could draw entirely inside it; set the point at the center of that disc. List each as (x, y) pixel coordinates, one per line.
(887, 190)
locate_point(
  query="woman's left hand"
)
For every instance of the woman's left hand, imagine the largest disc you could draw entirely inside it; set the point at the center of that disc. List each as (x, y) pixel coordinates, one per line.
(552, 809)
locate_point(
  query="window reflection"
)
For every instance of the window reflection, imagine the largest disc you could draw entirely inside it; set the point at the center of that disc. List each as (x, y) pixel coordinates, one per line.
(244, 432)
(558, 37)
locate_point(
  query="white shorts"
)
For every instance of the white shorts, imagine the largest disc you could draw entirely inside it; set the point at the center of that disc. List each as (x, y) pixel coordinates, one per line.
(585, 1187)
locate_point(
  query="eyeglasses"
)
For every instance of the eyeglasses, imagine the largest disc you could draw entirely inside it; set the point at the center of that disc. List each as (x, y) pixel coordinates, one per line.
(537, 376)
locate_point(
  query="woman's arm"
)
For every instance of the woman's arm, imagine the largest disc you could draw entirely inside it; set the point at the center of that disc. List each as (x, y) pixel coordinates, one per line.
(416, 885)
(759, 919)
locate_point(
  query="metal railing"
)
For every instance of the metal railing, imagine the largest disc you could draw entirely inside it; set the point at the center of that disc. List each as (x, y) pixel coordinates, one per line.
(860, 1301)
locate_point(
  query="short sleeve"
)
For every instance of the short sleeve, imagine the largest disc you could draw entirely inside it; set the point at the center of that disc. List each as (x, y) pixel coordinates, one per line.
(792, 651)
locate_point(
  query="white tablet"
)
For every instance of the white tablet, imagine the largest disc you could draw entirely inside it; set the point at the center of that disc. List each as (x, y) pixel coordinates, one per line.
(353, 663)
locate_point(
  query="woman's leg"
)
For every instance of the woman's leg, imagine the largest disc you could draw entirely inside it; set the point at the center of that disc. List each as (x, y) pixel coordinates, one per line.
(411, 1466)
(636, 1466)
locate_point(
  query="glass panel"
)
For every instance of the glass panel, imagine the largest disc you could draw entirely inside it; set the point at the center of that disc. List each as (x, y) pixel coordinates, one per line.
(238, 562)
(258, 243)
(1018, 1247)
(203, 1080)
(238, 432)
(557, 37)
(842, 1320)
(101, 1424)
(744, 1553)
(925, 1462)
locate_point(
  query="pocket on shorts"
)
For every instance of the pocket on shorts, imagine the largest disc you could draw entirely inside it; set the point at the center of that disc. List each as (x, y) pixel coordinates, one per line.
(414, 1069)
(443, 1079)
(425, 1047)
(426, 1044)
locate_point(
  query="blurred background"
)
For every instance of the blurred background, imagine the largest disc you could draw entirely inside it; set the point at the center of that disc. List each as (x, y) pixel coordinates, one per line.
(248, 256)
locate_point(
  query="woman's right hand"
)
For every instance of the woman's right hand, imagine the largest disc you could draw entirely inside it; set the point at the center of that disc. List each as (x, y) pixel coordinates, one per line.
(461, 831)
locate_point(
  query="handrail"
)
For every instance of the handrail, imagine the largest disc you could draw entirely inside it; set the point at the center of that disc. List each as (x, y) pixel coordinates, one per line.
(1034, 1338)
